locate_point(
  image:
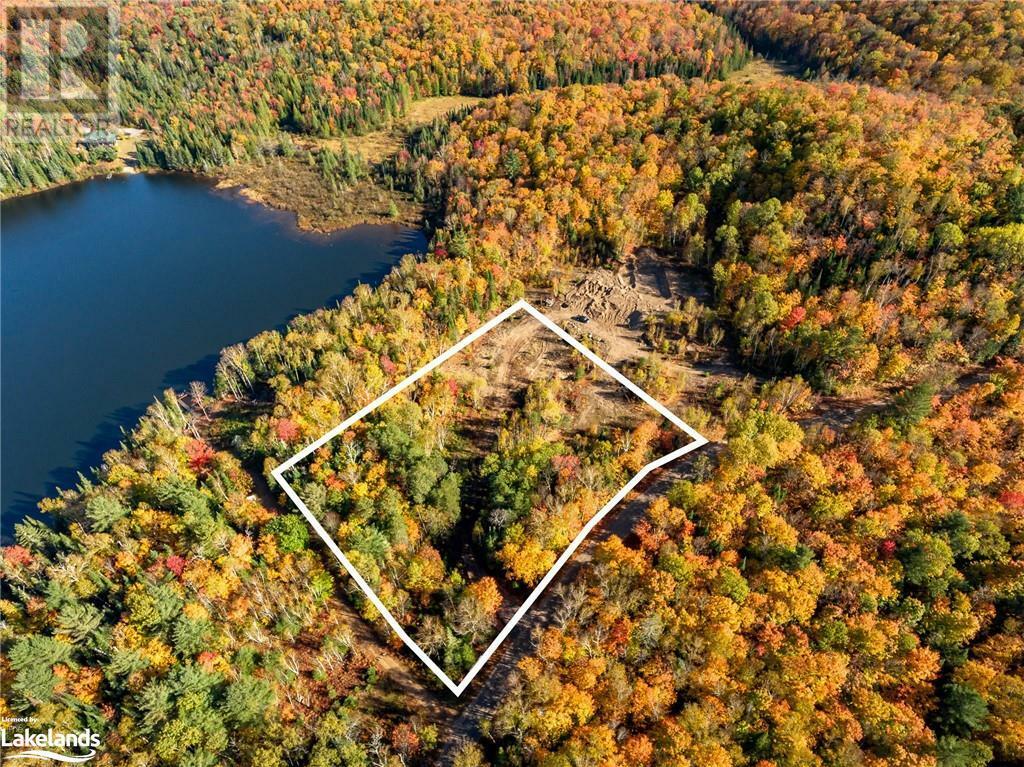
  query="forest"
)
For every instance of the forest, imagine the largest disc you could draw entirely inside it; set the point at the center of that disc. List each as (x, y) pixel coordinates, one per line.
(450, 507)
(967, 52)
(813, 598)
(220, 82)
(823, 212)
(838, 579)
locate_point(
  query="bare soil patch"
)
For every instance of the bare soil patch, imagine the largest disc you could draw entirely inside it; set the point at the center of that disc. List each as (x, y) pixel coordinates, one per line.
(608, 307)
(521, 351)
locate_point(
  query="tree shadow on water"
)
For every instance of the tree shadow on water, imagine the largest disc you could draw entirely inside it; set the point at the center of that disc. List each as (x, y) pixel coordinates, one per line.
(88, 454)
(109, 433)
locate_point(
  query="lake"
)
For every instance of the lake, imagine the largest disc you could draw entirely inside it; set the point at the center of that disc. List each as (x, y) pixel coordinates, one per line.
(112, 290)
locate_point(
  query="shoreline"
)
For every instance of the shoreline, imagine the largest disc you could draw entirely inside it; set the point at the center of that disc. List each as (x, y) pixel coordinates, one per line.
(292, 186)
(360, 255)
(411, 214)
(91, 176)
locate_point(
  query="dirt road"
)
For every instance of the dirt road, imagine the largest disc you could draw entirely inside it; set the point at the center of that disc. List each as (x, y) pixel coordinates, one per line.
(479, 703)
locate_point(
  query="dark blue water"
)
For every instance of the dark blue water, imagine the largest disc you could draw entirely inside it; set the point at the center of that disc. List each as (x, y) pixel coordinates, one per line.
(113, 290)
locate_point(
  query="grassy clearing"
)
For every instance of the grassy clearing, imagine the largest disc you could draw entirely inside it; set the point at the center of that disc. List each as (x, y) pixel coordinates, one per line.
(291, 183)
(379, 145)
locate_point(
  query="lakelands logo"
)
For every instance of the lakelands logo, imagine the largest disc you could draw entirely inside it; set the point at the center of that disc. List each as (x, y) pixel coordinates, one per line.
(50, 745)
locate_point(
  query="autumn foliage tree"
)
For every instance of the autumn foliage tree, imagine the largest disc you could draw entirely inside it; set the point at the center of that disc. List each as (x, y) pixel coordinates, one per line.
(826, 593)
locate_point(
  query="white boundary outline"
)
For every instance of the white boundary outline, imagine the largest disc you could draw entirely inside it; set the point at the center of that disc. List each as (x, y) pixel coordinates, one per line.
(521, 305)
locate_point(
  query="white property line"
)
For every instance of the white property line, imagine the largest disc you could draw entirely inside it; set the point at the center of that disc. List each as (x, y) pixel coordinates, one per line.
(521, 305)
